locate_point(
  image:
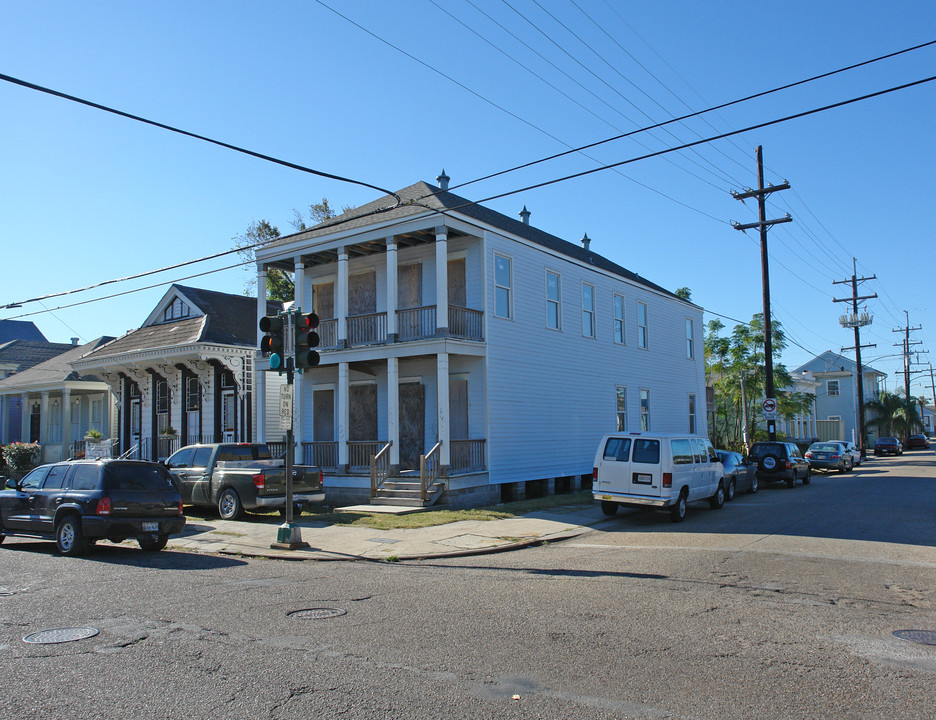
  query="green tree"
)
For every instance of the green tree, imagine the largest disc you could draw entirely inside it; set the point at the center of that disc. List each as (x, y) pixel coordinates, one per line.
(683, 293)
(894, 416)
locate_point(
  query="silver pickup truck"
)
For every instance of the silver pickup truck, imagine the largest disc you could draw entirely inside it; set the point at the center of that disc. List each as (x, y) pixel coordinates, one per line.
(234, 477)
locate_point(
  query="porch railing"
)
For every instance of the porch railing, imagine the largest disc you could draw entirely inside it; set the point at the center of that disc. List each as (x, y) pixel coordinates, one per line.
(328, 332)
(465, 323)
(379, 469)
(467, 455)
(321, 454)
(277, 449)
(360, 453)
(416, 323)
(370, 329)
(429, 470)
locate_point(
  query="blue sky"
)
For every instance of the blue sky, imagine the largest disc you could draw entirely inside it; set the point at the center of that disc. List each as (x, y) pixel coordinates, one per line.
(479, 87)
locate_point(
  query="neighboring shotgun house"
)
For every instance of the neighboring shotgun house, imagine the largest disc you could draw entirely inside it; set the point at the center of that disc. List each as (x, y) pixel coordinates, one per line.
(185, 376)
(463, 344)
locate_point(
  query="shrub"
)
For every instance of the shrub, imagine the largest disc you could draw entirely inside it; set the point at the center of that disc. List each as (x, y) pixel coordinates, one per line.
(21, 457)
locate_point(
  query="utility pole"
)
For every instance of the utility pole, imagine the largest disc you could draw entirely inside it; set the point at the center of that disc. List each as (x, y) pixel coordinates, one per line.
(906, 330)
(763, 224)
(857, 320)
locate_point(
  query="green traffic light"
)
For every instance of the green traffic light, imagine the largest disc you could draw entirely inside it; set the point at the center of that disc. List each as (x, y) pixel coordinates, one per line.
(276, 362)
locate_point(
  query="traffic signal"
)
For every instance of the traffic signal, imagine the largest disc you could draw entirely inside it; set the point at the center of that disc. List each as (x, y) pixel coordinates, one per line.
(273, 343)
(306, 339)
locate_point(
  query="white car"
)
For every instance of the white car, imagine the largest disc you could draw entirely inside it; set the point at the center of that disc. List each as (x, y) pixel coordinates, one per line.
(852, 450)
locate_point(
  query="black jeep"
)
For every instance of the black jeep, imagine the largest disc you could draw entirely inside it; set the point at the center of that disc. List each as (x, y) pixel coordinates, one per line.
(778, 460)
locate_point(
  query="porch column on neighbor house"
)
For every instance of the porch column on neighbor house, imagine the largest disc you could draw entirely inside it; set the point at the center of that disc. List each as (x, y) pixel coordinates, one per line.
(344, 415)
(392, 280)
(25, 413)
(341, 298)
(44, 418)
(66, 417)
(441, 262)
(299, 285)
(4, 420)
(442, 393)
(393, 412)
(260, 377)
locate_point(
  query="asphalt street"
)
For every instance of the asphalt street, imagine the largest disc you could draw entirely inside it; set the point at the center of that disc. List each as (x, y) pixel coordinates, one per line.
(783, 604)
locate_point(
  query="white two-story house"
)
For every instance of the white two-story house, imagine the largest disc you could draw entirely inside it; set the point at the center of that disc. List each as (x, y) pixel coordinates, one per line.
(499, 351)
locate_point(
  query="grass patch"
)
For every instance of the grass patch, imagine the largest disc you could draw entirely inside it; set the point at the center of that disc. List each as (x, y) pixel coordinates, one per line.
(326, 515)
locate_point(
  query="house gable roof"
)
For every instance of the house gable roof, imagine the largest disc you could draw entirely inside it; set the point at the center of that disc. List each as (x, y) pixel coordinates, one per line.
(20, 330)
(833, 362)
(421, 197)
(55, 371)
(24, 354)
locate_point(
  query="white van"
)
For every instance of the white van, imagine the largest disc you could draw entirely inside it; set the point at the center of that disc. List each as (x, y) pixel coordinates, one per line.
(658, 470)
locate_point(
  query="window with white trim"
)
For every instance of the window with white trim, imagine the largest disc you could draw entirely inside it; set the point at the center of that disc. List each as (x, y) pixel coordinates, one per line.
(97, 415)
(503, 284)
(619, 319)
(690, 340)
(553, 305)
(644, 410)
(192, 395)
(832, 388)
(176, 310)
(642, 334)
(692, 414)
(588, 310)
(621, 400)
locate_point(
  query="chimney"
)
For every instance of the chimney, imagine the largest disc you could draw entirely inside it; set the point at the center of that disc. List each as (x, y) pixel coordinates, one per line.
(586, 241)
(525, 215)
(443, 180)
(74, 341)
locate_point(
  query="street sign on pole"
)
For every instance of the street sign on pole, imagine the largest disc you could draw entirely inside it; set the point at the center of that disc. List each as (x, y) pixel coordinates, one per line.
(770, 408)
(286, 403)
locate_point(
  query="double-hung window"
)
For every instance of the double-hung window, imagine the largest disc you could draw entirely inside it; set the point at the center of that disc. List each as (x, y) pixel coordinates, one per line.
(553, 306)
(692, 414)
(619, 319)
(503, 280)
(832, 388)
(644, 410)
(621, 399)
(588, 310)
(642, 336)
(690, 349)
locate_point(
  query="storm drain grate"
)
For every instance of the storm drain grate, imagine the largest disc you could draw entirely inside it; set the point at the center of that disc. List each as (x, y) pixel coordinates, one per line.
(317, 613)
(60, 635)
(923, 637)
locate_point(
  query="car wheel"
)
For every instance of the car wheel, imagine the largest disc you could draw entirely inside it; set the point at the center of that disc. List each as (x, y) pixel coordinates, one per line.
(608, 507)
(229, 505)
(753, 485)
(791, 481)
(678, 511)
(807, 477)
(717, 501)
(152, 543)
(730, 492)
(68, 536)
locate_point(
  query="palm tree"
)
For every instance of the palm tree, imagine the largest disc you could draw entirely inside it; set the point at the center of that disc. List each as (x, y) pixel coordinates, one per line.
(894, 415)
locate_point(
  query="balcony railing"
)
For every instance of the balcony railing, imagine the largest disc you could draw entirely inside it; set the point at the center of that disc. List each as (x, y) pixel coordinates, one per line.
(416, 323)
(328, 332)
(467, 455)
(370, 329)
(465, 323)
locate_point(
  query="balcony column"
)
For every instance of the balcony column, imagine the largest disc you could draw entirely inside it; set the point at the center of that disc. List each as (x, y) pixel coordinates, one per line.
(341, 298)
(25, 415)
(441, 261)
(393, 412)
(392, 294)
(442, 403)
(260, 376)
(299, 381)
(344, 415)
(66, 418)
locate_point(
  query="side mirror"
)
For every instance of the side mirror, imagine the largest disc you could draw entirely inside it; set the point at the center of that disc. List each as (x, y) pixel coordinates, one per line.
(11, 484)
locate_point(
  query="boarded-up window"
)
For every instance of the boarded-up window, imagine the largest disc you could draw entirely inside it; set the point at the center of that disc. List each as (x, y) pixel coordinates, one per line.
(323, 300)
(323, 402)
(412, 424)
(409, 287)
(456, 283)
(363, 412)
(458, 409)
(362, 293)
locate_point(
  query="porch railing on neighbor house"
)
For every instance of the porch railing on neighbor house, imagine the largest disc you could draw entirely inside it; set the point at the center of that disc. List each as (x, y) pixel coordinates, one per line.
(465, 323)
(321, 454)
(277, 449)
(416, 323)
(429, 470)
(328, 333)
(370, 329)
(360, 453)
(467, 455)
(379, 469)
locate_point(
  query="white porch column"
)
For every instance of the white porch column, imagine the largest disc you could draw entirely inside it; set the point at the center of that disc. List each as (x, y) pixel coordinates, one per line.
(442, 402)
(66, 417)
(341, 298)
(24, 417)
(4, 421)
(393, 411)
(260, 376)
(441, 261)
(392, 280)
(44, 419)
(300, 379)
(344, 414)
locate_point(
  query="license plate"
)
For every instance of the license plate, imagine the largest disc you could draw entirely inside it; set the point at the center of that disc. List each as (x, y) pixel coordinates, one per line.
(643, 478)
(151, 527)
(606, 497)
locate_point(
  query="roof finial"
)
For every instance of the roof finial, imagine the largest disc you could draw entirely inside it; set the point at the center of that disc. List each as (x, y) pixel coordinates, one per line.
(525, 215)
(586, 241)
(443, 180)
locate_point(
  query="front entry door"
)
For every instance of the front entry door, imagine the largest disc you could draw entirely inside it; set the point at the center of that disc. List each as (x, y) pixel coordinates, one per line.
(412, 424)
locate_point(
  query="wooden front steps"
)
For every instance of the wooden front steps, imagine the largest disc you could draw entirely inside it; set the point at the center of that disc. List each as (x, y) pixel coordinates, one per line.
(406, 493)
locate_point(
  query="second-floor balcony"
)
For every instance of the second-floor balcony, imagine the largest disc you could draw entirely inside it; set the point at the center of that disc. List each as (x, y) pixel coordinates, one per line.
(412, 324)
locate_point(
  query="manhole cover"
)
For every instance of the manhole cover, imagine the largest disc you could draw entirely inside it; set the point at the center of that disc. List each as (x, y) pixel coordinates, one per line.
(60, 635)
(317, 613)
(923, 637)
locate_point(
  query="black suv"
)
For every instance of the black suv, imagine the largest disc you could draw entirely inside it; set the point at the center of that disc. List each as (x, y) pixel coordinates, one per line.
(77, 503)
(777, 460)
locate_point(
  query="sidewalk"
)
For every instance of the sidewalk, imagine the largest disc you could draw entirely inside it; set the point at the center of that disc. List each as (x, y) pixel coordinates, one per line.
(343, 542)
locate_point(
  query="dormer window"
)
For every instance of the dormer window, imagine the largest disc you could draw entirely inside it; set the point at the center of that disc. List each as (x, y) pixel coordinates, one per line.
(176, 310)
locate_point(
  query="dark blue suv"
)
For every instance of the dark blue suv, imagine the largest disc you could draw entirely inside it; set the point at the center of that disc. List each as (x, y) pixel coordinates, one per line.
(77, 503)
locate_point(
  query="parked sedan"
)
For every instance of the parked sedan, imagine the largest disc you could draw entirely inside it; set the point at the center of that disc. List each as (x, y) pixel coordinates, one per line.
(830, 456)
(917, 441)
(740, 473)
(888, 446)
